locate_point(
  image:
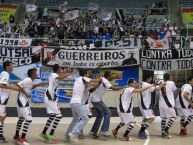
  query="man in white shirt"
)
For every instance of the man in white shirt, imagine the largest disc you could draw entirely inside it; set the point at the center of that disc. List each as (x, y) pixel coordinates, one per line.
(125, 108)
(4, 95)
(50, 100)
(146, 104)
(101, 109)
(166, 105)
(80, 116)
(184, 105)
(23, 102)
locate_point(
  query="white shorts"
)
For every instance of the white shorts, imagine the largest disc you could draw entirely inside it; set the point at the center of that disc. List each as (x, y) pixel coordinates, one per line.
(167, 112)
(3, 110)
(184, 112)
(147, 113)
(52, 106)
(126, 117)
(24, 112)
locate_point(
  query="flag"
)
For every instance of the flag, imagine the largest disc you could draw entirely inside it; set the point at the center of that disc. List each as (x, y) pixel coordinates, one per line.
(119, 14)
(162, 43)
(93, 6)
(63, 7)
(71, 15)
(31, 7)
(105, 16)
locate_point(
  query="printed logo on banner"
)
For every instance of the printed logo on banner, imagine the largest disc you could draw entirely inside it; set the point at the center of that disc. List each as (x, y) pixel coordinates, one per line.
(23, 42)
(51, 55)
(15, 42)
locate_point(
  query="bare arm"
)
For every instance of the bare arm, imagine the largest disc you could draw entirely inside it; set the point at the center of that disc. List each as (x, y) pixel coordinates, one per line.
(142, 89)
(14, 88)
(39, 84)
(157, 88)
(116, 87)
(95, 80)
(66, 74)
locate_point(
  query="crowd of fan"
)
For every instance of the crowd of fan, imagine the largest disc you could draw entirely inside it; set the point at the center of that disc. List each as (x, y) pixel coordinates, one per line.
(89, 26)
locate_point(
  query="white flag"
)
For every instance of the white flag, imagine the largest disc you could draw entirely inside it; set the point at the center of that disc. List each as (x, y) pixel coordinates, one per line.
(93, 6)
(105, 16)
(63, 7)
(31, 7)
(71, 15)
(162, 44)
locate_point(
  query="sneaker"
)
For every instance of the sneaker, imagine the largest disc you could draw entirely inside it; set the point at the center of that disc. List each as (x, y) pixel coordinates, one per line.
(24, 141)
(44, 136)
(166, 134)
(183, 132)
(3, 139)
(123, 138)
(52, 138)
(94, 135)
(17, 139)
(81, 135)
(73, 138)
(114, 132)
(142, 135)
(106, 134)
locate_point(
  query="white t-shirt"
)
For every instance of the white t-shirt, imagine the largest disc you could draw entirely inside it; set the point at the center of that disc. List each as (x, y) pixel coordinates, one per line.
(52, 84)
(182, 102)
(166, 101)
(4, 93)
(99, 92)
(86, 94)
(27, 85)
(145, 97)
(125, 100)
(78, 89)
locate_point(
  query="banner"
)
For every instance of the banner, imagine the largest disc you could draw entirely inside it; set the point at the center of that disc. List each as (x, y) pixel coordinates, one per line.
(20, 56)
(15, 42)
(161, 44)
(6, 10)
(31, 7)
(166, 60)
(91, 58)
(71, 15)
(120, 78)
(187, 16)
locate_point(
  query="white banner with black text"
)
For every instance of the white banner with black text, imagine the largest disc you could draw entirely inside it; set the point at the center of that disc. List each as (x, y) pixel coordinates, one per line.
(91, 58)
(167, 59)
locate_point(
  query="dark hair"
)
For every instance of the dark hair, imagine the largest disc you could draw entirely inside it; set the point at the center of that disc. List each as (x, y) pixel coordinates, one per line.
(130, 81)
(82, 72)
(30, 72)
(189, 79)
(107, 74)
(166, 76)
(6, 63)
(55, 67)
(147, 76)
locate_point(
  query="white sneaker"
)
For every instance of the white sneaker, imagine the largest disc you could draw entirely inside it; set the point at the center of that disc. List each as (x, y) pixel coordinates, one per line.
(73, 138)
(106, 134)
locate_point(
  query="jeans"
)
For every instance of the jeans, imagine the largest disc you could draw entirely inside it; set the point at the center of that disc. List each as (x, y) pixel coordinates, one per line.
(102, 111)
(77, 124)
